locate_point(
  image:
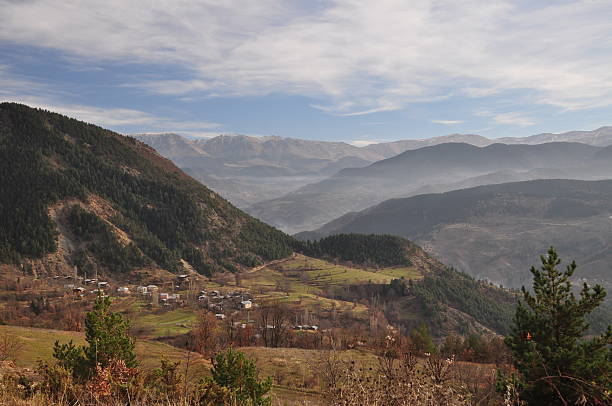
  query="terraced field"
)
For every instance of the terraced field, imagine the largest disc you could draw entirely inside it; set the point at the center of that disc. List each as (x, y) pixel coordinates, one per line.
(303, 274)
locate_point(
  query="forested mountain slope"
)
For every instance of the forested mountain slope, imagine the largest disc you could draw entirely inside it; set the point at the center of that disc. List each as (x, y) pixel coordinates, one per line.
(497, 231)
(77, 194)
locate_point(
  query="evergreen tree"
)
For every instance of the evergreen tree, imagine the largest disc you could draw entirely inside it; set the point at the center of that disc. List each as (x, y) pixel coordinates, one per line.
(233, 370)
(557, 364)
(106, 333)
(421, 340)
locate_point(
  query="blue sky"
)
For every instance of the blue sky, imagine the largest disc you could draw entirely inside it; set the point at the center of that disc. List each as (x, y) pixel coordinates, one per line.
(345, 70)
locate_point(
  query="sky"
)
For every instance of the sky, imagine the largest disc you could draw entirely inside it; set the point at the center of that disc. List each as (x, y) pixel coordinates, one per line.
(347, 70)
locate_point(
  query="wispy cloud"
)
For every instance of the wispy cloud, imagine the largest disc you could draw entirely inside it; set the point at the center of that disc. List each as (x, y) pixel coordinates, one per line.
(363, 143)
(514, 118)
(508, 118)
(115, 117)
(447, 122)
(375, 57)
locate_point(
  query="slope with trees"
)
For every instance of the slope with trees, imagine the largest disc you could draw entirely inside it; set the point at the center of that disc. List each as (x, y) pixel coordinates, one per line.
(492, 232)
(136, 208)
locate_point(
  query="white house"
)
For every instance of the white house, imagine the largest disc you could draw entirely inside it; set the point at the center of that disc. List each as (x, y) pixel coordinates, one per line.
(246, 304)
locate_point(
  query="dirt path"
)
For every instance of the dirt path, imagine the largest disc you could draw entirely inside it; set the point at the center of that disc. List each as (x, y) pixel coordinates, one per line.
(277, 261)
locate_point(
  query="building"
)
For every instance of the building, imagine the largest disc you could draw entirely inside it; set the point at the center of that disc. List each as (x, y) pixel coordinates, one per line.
(123, 290)
(246, 304)
(142, 290)
(220, 316)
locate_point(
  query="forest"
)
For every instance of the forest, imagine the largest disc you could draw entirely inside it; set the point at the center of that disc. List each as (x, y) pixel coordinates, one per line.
(47, 159)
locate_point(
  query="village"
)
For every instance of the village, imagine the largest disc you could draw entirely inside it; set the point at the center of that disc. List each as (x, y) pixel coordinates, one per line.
(180, 292)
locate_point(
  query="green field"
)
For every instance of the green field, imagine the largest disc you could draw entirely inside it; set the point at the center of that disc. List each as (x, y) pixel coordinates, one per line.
(164, 324)
(37, 344)
(302, 274)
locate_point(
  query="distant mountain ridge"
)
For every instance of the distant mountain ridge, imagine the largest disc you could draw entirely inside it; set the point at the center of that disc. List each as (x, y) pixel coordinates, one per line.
(496, 232)
(438, 168)
(248, 169)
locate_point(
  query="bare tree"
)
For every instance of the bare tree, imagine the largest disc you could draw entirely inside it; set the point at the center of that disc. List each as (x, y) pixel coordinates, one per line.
(205, 334)
(275, 322)
(9, 346)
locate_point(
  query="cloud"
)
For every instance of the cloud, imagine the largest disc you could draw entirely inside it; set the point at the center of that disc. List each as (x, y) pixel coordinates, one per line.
(514, 118)
(447, 122)
(347, 52)
(362, 143)
(12, 84)
(341, 110)
(508, 118)
(20, 89)
(114, 117)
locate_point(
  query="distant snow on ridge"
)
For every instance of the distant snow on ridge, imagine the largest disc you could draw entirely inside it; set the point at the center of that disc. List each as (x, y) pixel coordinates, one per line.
(599, 137)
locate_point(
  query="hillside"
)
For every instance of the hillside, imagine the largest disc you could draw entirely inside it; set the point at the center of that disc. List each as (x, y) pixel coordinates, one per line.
(497, 231)
(438, 168)
(77, 194)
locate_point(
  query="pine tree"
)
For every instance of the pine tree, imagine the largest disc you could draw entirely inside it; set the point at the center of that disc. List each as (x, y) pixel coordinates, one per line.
(106, 333)
(233, 370)
(557, 364)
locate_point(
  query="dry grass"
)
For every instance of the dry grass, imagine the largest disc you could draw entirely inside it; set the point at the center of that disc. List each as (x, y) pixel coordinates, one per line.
(37, 344)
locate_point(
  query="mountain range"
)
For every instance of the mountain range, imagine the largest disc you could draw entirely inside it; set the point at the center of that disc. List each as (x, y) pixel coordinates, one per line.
(437, 168)
(75, 195)
(247, 169)
(497, 232)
